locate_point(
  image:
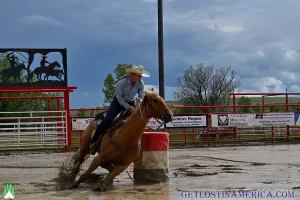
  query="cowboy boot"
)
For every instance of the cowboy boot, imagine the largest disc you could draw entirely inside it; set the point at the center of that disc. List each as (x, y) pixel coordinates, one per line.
(96, 146)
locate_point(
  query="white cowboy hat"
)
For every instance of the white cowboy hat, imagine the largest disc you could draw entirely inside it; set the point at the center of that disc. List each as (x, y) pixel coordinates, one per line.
(138, 69)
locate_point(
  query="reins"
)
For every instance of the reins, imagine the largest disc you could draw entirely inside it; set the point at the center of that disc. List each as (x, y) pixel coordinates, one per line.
(161, 123)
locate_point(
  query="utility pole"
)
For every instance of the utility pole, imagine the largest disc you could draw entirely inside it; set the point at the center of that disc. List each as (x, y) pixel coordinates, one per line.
(160, 48)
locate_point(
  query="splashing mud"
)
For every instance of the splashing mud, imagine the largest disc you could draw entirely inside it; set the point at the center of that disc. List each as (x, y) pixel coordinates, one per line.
(65, 170)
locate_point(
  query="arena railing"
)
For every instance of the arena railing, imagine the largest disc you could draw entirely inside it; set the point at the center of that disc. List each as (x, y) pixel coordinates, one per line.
(33, 130)
(206, 134)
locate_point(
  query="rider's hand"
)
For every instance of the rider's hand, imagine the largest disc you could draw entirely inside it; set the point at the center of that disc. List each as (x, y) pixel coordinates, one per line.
(131, 109)
(138, 100)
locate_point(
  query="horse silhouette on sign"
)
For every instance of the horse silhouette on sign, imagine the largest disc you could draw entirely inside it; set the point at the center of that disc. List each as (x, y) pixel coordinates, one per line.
(13, 72)
(120, 145)
(44, 70)
(56, 72)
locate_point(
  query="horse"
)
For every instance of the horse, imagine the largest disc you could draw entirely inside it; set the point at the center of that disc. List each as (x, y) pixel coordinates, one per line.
(14, 72)
(56, 72)
(40, 70)
(120, 145)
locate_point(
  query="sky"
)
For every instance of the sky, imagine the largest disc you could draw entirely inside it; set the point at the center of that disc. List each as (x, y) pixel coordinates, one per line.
(259, 39)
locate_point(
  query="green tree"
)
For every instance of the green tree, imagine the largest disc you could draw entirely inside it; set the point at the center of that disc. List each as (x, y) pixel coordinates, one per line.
(257, 109)
(206, 86)
(109, 87)
(244, 101)
(295, 108)
(92, 112)
(81, 112)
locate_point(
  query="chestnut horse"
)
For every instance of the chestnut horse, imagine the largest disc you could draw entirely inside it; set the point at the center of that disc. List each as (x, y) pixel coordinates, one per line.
(121, 146)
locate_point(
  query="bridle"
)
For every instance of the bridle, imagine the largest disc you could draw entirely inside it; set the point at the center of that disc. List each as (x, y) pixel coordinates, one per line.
(145, 106)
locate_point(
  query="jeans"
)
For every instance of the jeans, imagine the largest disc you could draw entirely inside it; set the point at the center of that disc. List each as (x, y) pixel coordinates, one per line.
(114, 109)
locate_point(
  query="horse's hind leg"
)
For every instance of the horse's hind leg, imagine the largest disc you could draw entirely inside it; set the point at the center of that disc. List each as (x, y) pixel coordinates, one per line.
(108, 166)
(110, 177)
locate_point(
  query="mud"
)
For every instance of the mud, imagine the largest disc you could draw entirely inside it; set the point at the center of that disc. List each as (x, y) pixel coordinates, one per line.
(36, 175)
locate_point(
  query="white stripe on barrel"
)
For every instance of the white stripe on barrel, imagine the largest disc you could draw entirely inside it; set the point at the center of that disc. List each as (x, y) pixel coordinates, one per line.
(152, 165)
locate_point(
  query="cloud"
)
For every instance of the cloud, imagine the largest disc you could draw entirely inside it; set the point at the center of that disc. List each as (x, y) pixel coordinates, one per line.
(260, 40)
(168, 91)
(38, 20)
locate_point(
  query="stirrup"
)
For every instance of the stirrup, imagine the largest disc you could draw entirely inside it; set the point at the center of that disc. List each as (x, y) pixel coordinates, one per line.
(86, 156)
(93, 148)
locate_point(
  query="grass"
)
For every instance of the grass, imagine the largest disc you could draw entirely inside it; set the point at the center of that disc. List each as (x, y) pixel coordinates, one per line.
(255, 100)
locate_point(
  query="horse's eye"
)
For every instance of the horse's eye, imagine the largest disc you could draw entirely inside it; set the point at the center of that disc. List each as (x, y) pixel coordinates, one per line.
(155, 101)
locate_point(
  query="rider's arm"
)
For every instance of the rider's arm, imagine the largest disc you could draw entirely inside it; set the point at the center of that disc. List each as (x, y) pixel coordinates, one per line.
(119, 94)
(141, 90)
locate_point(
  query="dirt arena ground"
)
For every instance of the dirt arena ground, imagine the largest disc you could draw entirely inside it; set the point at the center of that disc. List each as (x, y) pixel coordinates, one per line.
(198, 169)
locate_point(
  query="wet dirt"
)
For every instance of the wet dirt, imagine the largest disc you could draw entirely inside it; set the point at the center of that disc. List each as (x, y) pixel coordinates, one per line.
(35, 175)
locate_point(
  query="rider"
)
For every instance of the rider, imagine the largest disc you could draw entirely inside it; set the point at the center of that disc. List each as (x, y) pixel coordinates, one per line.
(127, 88)
(44, 61)
(11, 59)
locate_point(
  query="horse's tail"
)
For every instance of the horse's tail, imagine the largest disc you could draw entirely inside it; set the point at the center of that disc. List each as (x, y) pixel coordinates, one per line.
(79, 157)
(86, 139)
(30, 75)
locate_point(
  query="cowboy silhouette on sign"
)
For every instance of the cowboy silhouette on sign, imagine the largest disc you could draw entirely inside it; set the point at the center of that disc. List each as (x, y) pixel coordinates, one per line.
(44, 61)
(12, 60)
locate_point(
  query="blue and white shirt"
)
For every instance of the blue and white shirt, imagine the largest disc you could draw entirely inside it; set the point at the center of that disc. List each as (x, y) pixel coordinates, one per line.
(125, 92)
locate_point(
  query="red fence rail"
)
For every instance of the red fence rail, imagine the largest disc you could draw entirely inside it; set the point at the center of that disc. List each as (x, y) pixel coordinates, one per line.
(210, 135)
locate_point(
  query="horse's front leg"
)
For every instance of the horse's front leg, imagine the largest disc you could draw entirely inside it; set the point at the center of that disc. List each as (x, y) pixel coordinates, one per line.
(110, 177)
(94, 165)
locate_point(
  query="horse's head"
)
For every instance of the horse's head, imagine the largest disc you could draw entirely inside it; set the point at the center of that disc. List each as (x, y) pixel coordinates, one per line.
(156, 107)
(56, 64)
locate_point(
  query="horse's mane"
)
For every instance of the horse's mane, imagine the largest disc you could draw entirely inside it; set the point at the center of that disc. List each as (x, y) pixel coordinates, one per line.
(90, 127)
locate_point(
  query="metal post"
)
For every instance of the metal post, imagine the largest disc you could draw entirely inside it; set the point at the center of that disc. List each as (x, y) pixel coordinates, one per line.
(160, 49)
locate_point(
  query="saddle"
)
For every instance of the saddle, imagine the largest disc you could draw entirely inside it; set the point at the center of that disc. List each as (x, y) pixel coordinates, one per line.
(116, 123)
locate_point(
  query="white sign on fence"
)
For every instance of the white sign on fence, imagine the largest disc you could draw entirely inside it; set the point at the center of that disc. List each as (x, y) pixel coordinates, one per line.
(255, 119)
(80, 124)
(187, 121)
(232, 120)
(153, 124)
(274, 119)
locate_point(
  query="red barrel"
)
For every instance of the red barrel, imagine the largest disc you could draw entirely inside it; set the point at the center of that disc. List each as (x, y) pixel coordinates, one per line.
(152, 165)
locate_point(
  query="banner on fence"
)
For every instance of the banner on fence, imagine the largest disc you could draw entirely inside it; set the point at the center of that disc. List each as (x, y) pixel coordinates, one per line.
(255, 119)
(80, 124)
(232, 120)
(187, 121)
(180, 122)
(153, 124)
(273, 119)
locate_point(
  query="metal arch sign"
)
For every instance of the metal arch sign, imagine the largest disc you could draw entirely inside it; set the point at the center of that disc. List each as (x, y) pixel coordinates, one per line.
(33, 67)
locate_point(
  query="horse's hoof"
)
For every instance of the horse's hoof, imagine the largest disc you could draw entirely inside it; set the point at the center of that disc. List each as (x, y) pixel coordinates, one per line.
(100, 189)
(73, 186)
